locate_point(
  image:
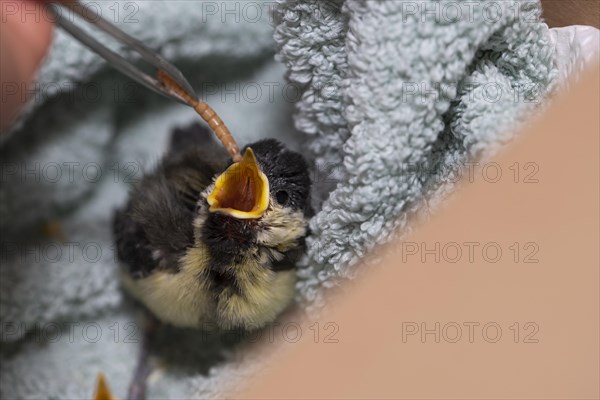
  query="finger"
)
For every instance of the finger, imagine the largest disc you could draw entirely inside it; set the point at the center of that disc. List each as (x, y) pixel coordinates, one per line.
(25, 36)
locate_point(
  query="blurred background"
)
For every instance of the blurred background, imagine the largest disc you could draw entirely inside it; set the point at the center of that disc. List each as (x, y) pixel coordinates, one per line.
(331, 79)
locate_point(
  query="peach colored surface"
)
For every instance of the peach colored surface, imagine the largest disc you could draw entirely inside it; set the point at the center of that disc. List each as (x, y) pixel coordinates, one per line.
(551, 211)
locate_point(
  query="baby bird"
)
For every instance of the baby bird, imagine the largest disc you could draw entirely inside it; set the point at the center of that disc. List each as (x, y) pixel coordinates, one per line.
(201, 244)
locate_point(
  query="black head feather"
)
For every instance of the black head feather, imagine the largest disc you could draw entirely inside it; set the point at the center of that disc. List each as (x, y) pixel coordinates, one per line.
(289, 184)
(287, 172)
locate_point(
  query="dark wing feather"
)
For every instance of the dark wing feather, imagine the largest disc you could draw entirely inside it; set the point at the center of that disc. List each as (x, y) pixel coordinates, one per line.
(132, 246)
(155, 228)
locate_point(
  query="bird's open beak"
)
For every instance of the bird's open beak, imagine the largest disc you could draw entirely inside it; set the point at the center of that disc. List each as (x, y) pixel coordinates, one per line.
(242, 191)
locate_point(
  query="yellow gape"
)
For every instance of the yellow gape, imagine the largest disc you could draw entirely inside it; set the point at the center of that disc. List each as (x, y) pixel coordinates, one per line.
(242, 191)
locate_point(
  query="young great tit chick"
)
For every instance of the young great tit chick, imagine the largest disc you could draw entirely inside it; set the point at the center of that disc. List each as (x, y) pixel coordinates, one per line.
(204, 244)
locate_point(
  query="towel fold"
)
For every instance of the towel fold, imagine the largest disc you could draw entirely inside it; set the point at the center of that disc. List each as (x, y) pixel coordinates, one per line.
(397, 94)
(392, 97)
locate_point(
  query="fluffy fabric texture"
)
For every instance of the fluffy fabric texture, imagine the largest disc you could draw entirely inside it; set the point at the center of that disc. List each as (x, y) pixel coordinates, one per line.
(87, 135)
(390, 100)
(397, 95)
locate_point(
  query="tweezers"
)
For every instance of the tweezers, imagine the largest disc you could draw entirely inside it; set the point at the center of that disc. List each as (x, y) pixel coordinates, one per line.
(120, 63)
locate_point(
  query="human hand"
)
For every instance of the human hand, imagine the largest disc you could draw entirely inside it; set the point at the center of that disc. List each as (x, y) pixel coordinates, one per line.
(25, 36)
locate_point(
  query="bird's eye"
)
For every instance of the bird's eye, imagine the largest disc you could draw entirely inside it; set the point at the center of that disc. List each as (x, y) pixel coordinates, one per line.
(282, 197)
